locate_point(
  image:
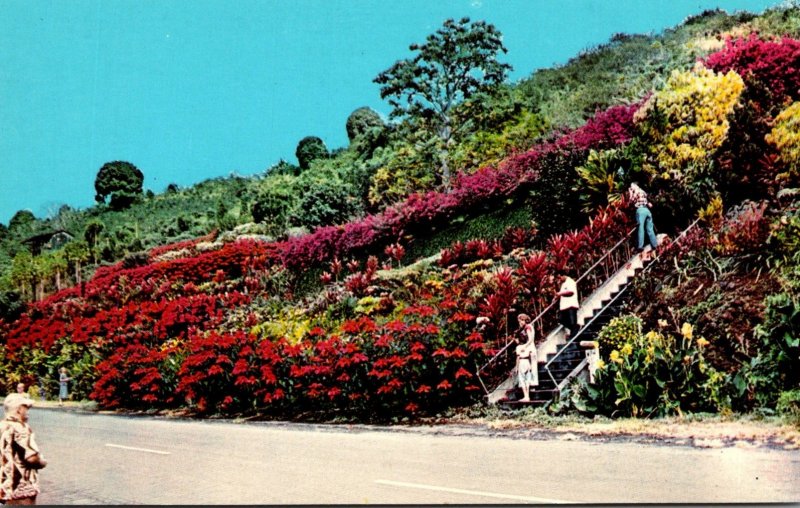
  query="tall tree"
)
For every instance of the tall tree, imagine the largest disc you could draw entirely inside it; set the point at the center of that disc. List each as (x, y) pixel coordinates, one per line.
(22, 221)
(92, 234)
(119, 180)
(453, 65)
(77, 252)
(23, 274)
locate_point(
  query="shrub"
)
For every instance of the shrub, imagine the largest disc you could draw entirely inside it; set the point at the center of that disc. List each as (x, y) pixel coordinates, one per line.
(409, 170)
(789, 406)
(785, 137)
(274, 204)
(323, 203)
(657, 374)
(618, 332)
(687, 121)
(777, 367)
(746, 230)
(775, 63)
(361, 121)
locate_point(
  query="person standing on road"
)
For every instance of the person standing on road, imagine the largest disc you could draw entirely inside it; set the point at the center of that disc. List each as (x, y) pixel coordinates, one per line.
(644, 218)
(568, 303)
(20, 458)
(63, 393)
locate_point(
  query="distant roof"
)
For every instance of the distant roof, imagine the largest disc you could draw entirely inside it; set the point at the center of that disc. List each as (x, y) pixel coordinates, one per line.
(44, 237)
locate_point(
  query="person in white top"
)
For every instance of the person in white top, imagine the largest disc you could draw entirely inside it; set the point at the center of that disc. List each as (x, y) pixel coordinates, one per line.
(527, 359)
(568, 303)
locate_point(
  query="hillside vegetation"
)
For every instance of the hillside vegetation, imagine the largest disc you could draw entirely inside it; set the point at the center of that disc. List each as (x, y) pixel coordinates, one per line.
(348, 286)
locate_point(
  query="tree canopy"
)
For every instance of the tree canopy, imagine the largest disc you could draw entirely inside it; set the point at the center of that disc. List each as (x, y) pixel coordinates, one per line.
(361, 121)
(22, 219)
(309, 149)
(454, 64)
(120, 181)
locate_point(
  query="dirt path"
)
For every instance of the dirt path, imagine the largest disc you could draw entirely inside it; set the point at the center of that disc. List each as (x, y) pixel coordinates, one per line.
(711, 433)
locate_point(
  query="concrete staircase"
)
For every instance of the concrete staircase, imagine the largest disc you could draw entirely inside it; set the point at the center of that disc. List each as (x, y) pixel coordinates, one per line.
(567, 360)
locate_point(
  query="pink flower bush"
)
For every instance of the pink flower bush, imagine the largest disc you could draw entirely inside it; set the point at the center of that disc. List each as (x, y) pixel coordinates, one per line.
(773, 62)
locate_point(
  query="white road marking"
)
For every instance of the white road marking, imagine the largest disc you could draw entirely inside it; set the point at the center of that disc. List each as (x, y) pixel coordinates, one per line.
(137, 449)
(531, 499)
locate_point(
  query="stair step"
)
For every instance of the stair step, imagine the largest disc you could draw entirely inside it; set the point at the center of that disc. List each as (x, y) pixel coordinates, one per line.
(537, 397)
(566, 357)
(517, 404)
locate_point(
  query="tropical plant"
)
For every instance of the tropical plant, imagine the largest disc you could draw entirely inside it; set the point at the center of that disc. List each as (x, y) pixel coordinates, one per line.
(600, 183)
(618, 332)
(687, 121)
(454, 64)
(657, 374)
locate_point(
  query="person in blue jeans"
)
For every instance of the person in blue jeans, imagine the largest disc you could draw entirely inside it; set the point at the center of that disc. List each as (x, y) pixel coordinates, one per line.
(643, 216)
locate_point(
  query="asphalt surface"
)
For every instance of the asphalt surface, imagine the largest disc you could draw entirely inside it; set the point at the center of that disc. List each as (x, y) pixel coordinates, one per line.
(107, 459)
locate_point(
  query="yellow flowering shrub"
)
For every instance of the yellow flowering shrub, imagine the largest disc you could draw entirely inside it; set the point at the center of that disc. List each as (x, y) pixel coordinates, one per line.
(785, 136)
(620, 331)
(687, 121)
(656, 374)
(293, 329)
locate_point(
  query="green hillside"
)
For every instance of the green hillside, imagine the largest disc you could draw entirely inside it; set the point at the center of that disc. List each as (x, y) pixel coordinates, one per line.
(348, 285)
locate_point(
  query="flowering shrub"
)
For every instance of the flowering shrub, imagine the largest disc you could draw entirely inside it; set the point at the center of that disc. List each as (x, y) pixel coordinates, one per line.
(774, 63)
(190, 331)
(657, 374)
(412, 362)
(785, 137)
(618, 332)
(605, 130)
(688, 120)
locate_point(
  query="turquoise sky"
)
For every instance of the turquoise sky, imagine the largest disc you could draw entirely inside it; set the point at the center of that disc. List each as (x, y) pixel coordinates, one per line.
(194, 89)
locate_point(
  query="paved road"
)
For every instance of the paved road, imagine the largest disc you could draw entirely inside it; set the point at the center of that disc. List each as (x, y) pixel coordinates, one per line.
(109, 459)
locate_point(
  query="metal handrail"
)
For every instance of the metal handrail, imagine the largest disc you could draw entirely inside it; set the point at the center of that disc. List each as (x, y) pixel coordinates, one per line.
(539, 317)
(583, 328)
(608, 252)
(556, 299)
(613, 299)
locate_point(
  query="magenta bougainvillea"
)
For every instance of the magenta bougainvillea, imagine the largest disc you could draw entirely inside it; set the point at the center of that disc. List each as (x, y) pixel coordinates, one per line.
(774, 62)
